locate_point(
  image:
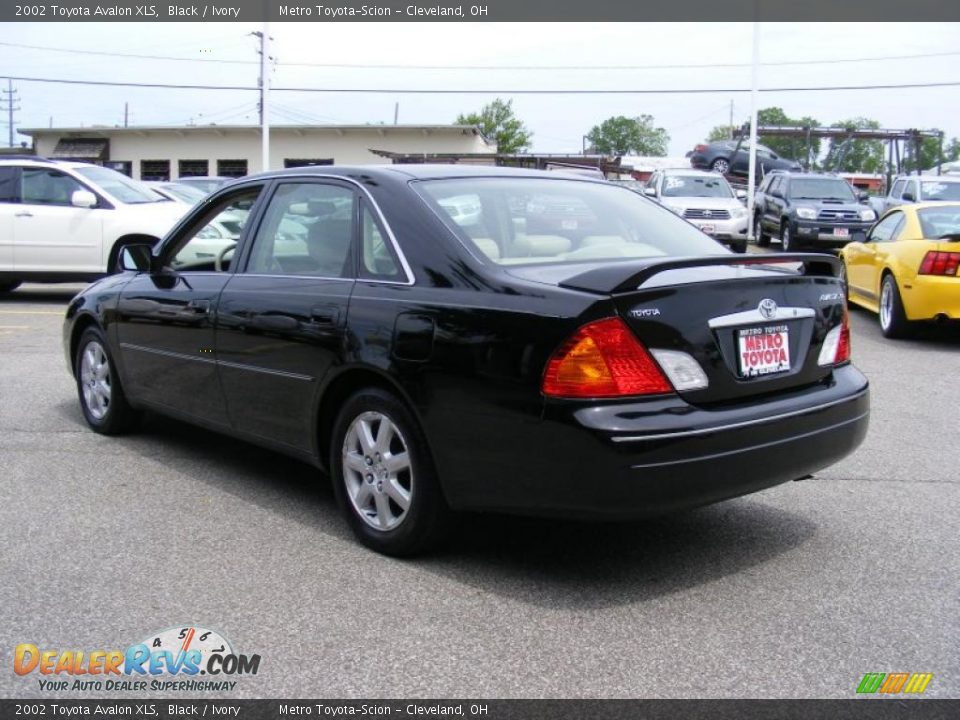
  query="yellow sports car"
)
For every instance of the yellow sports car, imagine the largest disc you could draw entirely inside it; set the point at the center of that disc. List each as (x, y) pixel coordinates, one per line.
(906, 270)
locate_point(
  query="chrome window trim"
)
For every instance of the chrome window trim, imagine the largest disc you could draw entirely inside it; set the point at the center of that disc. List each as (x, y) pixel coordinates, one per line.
(753, 316)
(373, 204)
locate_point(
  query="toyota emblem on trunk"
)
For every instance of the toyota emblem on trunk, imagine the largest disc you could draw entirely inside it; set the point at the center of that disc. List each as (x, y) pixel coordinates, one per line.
(768, 308)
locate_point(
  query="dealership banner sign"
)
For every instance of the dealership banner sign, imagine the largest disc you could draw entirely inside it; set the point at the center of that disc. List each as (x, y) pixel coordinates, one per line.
(485, 709)
(477, 11)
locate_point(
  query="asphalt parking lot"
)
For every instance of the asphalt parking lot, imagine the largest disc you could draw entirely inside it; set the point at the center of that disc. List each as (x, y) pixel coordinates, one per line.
(794, 592)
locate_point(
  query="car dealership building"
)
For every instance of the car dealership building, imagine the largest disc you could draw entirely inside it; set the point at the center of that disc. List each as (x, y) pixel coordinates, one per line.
(168, 153)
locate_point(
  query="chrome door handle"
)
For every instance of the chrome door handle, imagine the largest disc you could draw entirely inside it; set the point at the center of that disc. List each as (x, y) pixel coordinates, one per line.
(24, 213)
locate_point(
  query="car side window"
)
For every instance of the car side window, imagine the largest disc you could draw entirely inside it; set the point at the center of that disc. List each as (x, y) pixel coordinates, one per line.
(775, 183)
(46, 186)
(884, 230)
(9, 185)
(307, 229)
(897, 188)
(378, 261)
(210, 243)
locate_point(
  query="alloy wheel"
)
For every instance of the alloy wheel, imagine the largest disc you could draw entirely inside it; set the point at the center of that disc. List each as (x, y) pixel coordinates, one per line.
(95, 380)
(886, 305)
(721, 166)
(377, 470)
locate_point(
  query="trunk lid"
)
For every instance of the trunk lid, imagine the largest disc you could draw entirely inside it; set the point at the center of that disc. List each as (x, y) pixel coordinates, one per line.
(775, 308)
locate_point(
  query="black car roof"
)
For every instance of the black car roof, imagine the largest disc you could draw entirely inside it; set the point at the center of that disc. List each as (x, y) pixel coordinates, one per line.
(421, 172)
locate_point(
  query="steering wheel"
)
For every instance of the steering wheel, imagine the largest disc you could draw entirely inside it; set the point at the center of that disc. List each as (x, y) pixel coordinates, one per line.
(218, 263)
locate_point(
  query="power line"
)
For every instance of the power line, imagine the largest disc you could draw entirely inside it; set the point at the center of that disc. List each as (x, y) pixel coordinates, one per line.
(490, 91)
(372, 66)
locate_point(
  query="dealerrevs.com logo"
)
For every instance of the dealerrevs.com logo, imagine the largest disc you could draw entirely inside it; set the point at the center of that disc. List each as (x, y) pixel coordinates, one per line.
(170, 660)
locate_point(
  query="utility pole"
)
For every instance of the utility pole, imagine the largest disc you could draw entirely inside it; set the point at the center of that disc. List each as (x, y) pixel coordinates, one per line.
(731, 119)
(752, 165)
(126, 114)
(11, 106)
(264, 85)
(396, 112)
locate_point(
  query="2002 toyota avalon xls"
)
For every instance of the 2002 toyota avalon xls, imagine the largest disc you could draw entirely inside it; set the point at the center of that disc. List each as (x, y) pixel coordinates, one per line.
(568, 347)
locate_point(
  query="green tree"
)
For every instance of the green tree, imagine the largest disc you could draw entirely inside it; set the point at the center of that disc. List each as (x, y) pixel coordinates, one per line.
(930, 154)
(622, 135)
(794, 148)
(498, 122)
(845, 155)
(719, 132)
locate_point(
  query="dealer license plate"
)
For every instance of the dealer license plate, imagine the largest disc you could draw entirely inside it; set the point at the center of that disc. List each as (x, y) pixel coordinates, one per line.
(763, 350)
(708, 228)
(841, 232)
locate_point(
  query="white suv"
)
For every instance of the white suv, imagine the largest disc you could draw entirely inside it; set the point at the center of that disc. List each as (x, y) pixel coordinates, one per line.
(65, 221)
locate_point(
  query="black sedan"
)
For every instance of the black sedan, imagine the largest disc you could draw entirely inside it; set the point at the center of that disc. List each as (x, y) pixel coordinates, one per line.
(609, 362)
(725, 157)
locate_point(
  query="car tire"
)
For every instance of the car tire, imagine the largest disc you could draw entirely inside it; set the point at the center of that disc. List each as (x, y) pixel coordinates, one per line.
(102, 399)
(9, 285)
(375, 475)
(762, 238)
(842, 277)
(739, 246)
(893, 318)
(787, 239)
(720, 165)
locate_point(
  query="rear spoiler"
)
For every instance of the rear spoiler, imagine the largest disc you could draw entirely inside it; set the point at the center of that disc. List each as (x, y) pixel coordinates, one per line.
(624, 277)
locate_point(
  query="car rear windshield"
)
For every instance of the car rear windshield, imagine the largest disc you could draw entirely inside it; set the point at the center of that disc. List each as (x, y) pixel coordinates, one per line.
(522, 221)
(821, 189)
(696, 186)
(935, 222)
(120, 186)
(936, 190)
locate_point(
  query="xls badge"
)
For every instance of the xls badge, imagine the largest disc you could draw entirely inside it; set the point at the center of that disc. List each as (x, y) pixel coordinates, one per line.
(186, 651)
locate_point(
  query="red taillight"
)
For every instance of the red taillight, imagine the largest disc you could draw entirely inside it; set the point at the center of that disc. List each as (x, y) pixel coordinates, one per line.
(936, 262)
(843, 347)
(603, 359)
(700, 148)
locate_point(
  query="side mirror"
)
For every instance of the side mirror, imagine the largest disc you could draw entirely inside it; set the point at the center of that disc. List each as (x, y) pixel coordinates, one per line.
(776, 193)
(136, 257)
(83, 199)
(863, 196)
(741, 194)
(650, 192)
(908, 197)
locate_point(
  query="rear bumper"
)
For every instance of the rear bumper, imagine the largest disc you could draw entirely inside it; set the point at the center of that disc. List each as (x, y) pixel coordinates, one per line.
(652, 457)
(927, 297)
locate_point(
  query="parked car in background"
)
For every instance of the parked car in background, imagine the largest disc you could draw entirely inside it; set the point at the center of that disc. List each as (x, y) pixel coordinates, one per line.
(635, 370)
(809, 210)
(65, 221)
(178, 192)
(706, 200)
(724, 157)
(907, 268)
(207, 183)
(919, 188)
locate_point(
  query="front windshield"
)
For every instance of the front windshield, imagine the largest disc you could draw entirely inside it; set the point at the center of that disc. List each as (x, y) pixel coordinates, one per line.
(935, 222)
(696, 186)
(185, 193)
(935, 190)
(120, 186)
(523, 221)
(822, 189)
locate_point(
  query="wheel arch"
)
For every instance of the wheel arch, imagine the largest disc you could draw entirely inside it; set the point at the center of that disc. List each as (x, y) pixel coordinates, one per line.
(341, 386)
(80, 325)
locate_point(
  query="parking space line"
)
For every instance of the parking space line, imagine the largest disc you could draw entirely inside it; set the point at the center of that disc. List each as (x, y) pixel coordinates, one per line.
(29, 312)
